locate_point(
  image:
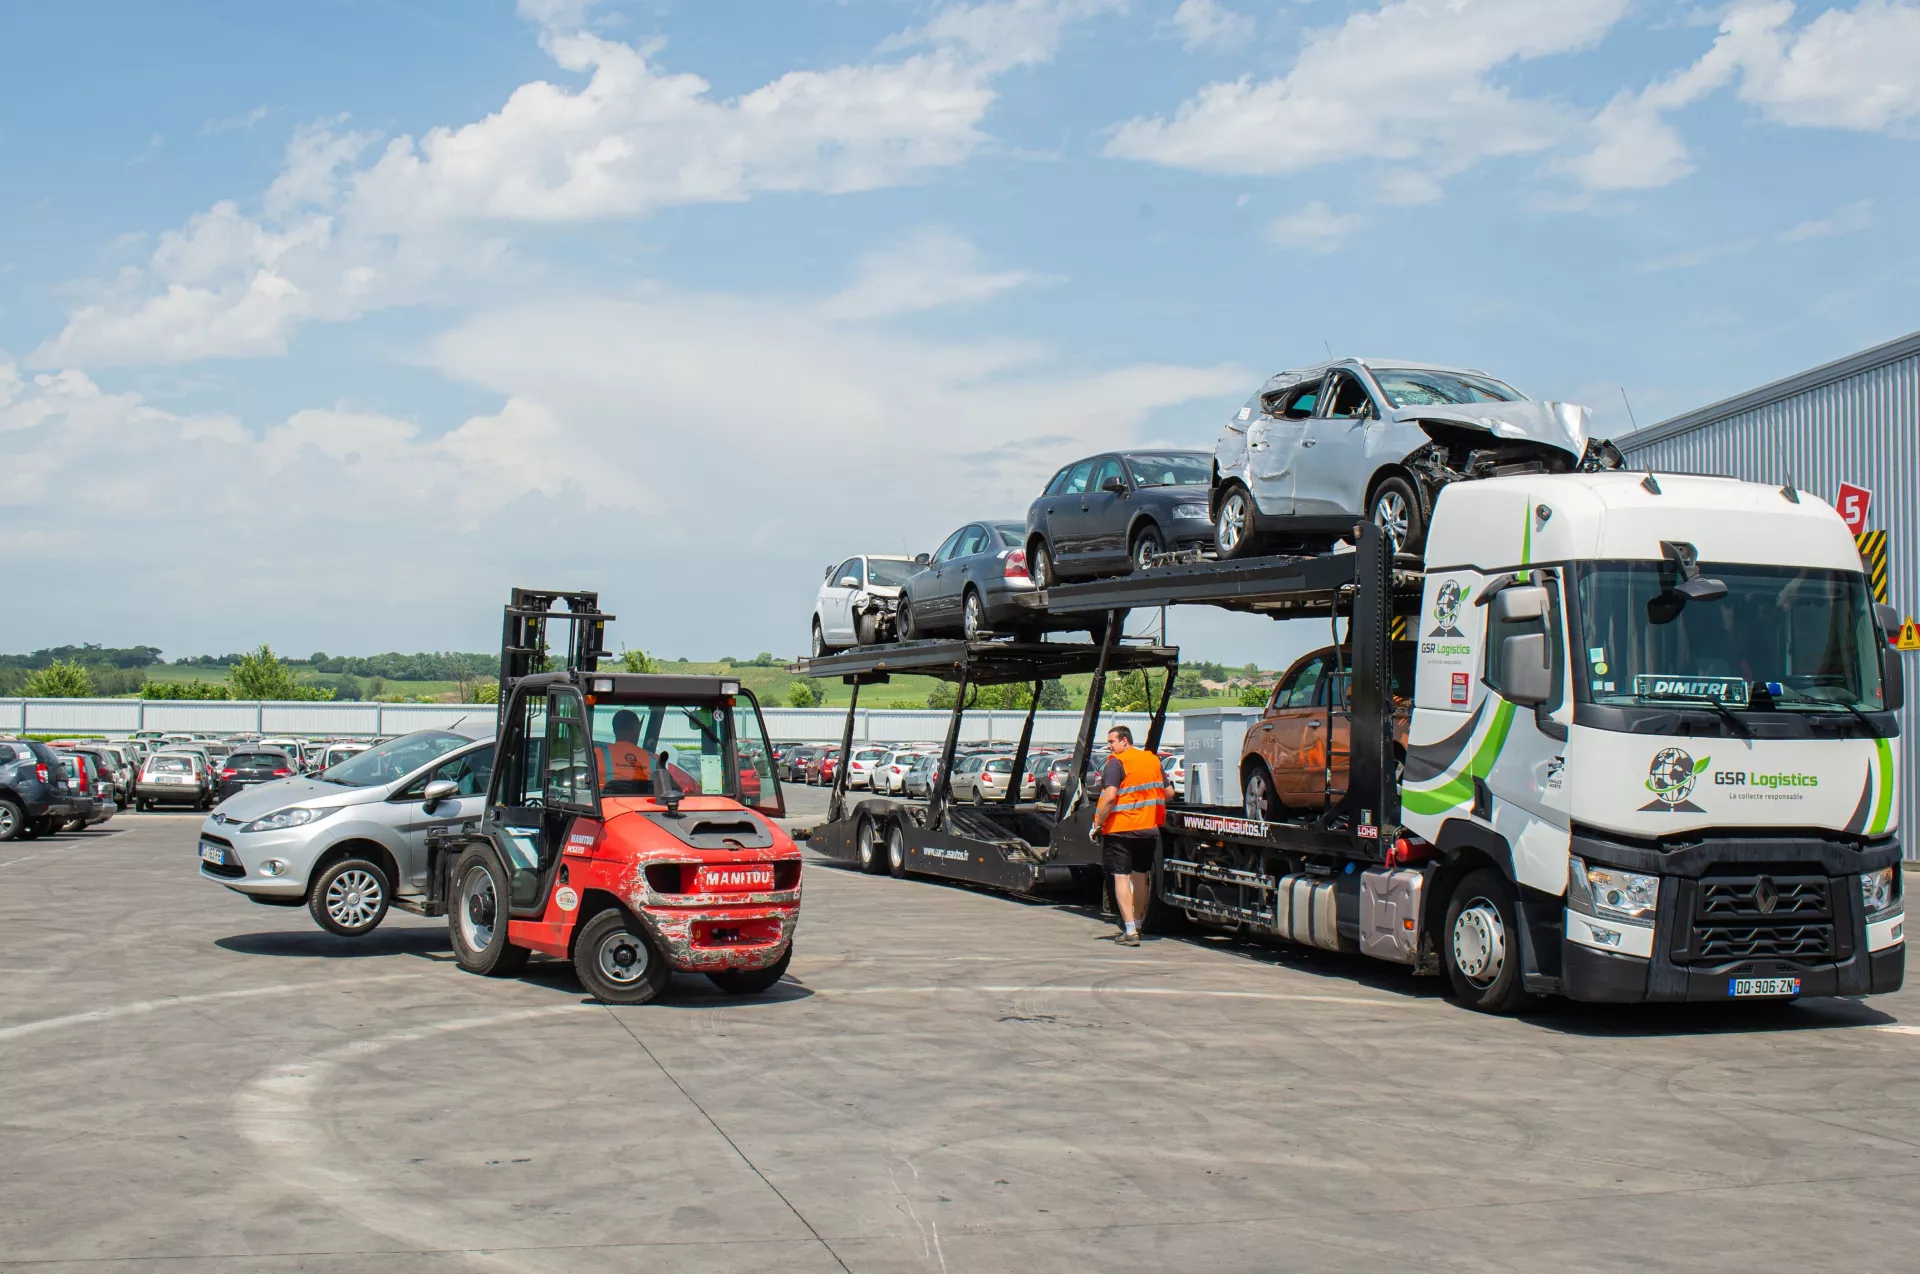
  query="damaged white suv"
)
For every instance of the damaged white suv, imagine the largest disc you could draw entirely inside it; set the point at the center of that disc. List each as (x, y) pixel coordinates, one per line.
(1317, 448)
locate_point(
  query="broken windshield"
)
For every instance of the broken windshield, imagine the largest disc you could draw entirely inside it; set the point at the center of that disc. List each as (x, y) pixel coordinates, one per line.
(1405, 387)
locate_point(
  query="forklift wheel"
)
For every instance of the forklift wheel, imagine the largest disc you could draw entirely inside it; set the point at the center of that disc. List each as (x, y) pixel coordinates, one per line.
(477, 917)
(753, 981)
(617, 962)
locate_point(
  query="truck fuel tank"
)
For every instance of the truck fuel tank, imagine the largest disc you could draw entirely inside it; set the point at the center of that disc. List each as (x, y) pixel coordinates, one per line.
(1390, 913)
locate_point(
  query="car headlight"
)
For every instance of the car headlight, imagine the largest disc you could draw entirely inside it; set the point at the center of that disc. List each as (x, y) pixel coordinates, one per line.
(1612, 893)
(1876, 890)
(1191, 512)
(281, 820)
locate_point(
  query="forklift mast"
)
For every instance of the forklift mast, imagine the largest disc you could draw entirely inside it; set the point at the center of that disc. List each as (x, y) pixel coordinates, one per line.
(523, 639)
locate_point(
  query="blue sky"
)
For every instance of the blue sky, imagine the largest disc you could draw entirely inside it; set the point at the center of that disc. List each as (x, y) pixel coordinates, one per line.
(325, 324)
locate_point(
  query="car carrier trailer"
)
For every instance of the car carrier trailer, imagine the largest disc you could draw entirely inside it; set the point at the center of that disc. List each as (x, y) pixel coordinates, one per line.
(1598, 798)
(1009, 844)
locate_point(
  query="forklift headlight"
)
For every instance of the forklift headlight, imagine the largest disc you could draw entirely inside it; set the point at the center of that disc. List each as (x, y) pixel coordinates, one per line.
(1876, 890)
(281, 820)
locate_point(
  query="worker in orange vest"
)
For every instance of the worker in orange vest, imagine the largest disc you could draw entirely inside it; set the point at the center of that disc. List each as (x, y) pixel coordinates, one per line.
(625, 767)
(1130, 814)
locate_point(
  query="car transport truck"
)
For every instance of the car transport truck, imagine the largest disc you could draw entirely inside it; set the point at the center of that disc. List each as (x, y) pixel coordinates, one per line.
(1650, 755)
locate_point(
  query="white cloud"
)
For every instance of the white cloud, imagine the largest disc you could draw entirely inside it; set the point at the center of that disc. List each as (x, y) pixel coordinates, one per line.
(1316, 227)
(921, 272)
(1408, 82)
(1854, 217)
(334, 239)
(1209, 24)
(1856, 69)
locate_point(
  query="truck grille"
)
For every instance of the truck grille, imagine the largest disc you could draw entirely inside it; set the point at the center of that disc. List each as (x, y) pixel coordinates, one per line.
(1736, 917)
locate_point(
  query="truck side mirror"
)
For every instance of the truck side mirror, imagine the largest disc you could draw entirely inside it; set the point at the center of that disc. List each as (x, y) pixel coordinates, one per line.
(1519, 604)
(1893, 679)
(1889, 619)
(1526, 672)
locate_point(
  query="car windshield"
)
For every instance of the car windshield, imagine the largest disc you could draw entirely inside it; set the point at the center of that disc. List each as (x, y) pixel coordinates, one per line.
(1783, 637)
(1190, 469)
(1410, 388)
(882, 573)
(704, 749)
(393, 759)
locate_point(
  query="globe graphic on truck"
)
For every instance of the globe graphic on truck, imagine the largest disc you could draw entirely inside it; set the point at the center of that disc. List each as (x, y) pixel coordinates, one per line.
(1670, 777)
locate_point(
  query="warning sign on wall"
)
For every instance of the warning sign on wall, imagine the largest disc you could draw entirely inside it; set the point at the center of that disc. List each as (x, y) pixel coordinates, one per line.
(1853, 505)
(1909, 638)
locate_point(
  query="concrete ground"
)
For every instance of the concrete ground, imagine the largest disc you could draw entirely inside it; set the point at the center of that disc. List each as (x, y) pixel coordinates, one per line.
(949, 1081)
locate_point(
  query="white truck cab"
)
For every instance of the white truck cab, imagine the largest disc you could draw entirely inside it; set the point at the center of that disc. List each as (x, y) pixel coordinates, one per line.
(1661, 707)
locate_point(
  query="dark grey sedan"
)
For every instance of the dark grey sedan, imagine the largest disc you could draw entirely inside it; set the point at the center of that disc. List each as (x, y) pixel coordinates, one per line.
(1108, 515)
(976, 582)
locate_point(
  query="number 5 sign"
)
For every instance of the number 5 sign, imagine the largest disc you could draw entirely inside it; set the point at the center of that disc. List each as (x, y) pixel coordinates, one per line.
(1853, 504)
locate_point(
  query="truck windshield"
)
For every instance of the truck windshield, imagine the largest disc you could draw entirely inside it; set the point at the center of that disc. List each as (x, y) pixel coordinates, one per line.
(1784, 637)
(687, 745)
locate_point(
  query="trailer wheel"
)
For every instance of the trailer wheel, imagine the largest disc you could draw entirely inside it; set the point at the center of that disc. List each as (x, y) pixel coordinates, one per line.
(477, 917)
(1481, 944)
(896, 850)
(753, 981)
(349, 899)
(617, 962)
(871, 848)
(12, 820)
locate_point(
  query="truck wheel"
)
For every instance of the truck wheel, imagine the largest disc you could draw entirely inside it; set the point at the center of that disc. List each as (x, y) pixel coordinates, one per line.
(1257, 788)
(1233, 533)
(753, 981)
(617, 962)
(477, 917)
(896, 851)
(1396, 510)
(350, 897)
(1481, 944)
(12, 820)
(871, 848)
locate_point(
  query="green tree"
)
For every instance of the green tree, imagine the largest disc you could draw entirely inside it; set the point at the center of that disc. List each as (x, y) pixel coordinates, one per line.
(941, 696)
(805, 692)
(1255, 695)
(638, 661)
(486, 692)
(1053, 697)
(195, 690)
(1129, 693)
(61, 679)
(1188, 685)
(264, 675)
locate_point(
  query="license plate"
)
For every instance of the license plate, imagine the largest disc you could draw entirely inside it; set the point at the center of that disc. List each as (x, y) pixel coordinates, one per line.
(1740, 987)
(213, 854)
(733, 879)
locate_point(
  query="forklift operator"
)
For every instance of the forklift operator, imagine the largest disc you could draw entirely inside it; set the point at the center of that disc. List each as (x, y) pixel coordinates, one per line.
(625, 767)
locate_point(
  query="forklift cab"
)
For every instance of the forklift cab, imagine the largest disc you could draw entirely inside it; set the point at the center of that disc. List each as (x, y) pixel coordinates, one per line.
(703, 737)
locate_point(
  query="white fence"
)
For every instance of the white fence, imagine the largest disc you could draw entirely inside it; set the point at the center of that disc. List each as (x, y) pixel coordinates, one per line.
(796, 725)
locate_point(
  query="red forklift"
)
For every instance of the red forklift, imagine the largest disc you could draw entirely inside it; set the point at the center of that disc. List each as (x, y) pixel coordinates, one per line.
(628, 825)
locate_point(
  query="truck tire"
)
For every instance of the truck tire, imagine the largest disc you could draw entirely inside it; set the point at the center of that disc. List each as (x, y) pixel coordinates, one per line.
(477, 916)
(896, 850)
(617, 962)
(870, 844)
(753, 981)
(13, 820)
(349, 899)
(1481, 944)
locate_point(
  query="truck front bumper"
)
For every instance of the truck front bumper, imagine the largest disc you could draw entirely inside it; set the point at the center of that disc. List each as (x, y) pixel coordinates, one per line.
(1602, 977)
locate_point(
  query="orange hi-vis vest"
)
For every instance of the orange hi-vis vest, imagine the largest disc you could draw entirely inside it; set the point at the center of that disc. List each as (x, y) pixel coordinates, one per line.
(624, 762)
(1142, 806)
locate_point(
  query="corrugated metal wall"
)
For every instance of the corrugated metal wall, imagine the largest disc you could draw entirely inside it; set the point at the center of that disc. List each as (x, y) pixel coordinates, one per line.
(1861, 426)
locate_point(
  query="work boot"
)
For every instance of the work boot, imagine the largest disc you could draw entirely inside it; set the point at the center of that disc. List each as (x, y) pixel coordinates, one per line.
(1129, 939)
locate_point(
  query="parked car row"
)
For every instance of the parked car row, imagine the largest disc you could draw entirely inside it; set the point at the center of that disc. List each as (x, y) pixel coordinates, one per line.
(981, 771)
(1310, 454)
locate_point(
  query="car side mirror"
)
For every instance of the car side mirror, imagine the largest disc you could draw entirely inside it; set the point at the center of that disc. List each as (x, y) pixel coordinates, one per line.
(1517, 605)
(440, 790)
(1526, 672)
(1115, 486)
(848, 581)
(921, 559)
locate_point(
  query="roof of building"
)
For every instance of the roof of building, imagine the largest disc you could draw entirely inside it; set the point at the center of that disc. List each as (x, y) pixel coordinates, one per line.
(1825, 374)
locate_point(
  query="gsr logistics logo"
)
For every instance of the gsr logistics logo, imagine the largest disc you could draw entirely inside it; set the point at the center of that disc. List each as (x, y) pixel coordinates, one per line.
(1749, 778)
(1446, 609)
(1670, 778)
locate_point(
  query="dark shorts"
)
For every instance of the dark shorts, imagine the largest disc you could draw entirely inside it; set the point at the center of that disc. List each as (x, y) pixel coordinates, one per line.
(1130, 851)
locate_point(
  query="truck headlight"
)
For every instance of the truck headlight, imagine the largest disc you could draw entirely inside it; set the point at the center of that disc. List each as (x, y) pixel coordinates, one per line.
(1614, 894)
(281, 820)
(1876, 890)
(1191, 513)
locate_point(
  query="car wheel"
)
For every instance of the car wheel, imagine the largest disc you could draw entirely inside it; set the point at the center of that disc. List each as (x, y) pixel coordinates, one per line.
(1233, 533)
(1040, 566)
(909, 631)
(1146, 546)
(76, 824)
(350, 897)
(974, 616)
(1396, 510)
(1481, 944)
(1257, 789)
(753, 981)
(896, 850)
(617, 962)
(820, 648)
(12, 820)
(477, 917)
(866, 630)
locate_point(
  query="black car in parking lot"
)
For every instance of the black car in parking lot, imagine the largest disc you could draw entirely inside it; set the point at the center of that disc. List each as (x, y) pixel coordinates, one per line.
(244, 769)
(34, 796)
(1107, 515)
(977, 582)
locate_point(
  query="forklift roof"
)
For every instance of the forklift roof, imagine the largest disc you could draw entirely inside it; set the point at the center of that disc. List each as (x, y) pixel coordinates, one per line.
(985, 662)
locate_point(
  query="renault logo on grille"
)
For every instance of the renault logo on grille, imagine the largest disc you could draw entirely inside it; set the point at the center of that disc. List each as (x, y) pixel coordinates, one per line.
(1765, 896)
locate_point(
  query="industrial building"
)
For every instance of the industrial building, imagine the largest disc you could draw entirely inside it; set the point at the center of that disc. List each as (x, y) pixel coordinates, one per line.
(1855, 420)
